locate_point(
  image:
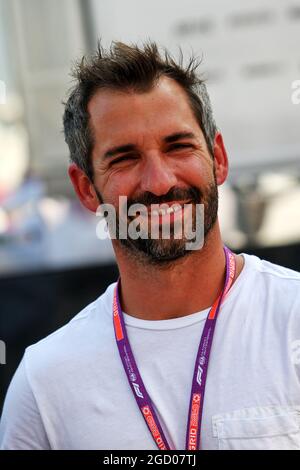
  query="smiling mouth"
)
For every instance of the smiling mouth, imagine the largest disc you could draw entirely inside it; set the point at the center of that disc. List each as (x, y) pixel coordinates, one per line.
(173, 208)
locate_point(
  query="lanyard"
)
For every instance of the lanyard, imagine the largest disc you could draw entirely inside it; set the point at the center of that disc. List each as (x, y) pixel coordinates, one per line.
(200, 372)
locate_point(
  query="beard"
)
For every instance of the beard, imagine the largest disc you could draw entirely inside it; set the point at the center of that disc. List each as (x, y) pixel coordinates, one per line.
(161, 251)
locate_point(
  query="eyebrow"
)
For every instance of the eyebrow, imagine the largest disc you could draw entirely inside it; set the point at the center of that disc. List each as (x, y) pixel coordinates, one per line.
(121, 149)
(131, 147)
(178, 136)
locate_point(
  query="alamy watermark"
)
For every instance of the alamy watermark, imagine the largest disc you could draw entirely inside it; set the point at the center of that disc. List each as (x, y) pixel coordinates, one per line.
(2, 352)
(295, 97)
(2, 92)
(157, 222)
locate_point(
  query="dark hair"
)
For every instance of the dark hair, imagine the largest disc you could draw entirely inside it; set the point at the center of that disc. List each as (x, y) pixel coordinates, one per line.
(135, 68)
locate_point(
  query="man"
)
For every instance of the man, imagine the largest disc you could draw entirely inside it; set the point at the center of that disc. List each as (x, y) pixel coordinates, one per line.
(131, 370)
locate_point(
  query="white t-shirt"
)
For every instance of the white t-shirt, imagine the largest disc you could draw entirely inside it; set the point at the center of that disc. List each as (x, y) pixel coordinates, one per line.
(71, 392)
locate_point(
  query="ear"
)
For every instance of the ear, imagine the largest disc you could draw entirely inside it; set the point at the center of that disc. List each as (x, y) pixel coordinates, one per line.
(83, 187)
(220, 159)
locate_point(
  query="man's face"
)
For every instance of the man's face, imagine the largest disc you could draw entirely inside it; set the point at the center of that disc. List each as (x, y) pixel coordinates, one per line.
(150, 148)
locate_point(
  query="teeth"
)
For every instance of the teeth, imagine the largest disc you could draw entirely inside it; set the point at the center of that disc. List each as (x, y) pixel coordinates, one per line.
(155, 213)
(163, 212)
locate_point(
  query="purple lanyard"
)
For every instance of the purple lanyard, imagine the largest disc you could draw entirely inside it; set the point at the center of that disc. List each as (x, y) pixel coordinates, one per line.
(200, 372)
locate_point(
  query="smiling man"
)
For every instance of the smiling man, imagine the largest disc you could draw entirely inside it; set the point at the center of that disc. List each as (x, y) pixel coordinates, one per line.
(192, 348)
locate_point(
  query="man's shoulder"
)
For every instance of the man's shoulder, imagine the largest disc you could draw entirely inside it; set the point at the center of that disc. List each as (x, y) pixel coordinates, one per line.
(272, 272)
(268, 267)
(86, 332)
(279, 284)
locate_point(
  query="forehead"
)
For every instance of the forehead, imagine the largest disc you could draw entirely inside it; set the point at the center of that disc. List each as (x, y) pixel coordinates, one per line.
(158, 112)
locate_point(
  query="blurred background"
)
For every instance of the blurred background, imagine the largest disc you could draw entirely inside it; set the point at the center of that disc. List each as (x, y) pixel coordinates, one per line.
(51, 262)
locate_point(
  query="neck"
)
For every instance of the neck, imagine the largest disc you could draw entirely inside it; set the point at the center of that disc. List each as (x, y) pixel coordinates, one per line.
(190, 285)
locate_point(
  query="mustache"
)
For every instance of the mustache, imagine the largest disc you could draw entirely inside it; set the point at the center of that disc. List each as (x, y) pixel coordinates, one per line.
(175, 194)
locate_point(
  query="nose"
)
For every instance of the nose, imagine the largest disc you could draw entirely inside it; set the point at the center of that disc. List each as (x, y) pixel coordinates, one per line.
(157, 176)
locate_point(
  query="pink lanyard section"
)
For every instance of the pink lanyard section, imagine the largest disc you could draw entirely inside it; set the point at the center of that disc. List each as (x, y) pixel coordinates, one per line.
(200, 371)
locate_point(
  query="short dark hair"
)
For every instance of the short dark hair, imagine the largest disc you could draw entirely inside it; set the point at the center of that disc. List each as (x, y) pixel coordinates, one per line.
(131, 67)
